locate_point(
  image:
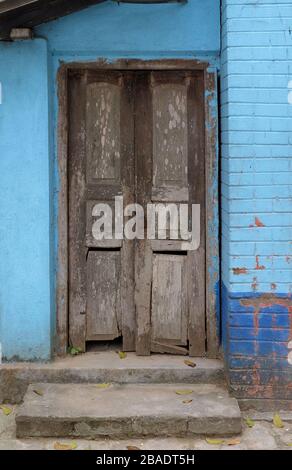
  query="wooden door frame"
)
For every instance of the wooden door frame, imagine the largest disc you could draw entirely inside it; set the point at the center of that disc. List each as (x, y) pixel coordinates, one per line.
(211, 191)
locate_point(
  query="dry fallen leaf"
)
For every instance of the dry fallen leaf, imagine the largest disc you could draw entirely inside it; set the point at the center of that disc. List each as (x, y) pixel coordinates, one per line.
(233, 442)
(60, 446)
(40, 393)
(190, 363)
(75, 351)
(214, 442)
(103, 385)
(277, 420)
(289, 444)
(249, 422)
(186, 402)
(184, 392)
(6, 410)
(133, 448)
(122, 354)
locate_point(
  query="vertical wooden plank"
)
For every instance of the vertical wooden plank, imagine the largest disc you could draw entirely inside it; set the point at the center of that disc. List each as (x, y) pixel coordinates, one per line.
(77, 211)
(62, 274)
(196, 259)
(128, 310)
(212, 214)
(143, 253)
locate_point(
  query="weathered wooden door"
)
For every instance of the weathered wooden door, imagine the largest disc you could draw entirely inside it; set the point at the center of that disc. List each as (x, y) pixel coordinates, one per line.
(137, 135)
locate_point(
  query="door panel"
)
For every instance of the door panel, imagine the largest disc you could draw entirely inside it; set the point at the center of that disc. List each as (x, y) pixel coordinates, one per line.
(170, 136)
(169, 299)
(174, 103)
(103, 295)
(103, 133)
(101, 167)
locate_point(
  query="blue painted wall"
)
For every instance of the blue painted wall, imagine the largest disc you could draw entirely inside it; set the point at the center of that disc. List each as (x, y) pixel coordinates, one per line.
(28, 120)
(25, 330)
(256, 179)
(110, 29)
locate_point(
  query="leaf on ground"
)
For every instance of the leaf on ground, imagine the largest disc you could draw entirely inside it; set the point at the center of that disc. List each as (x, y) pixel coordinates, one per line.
(6, 410)
(133, 448)
(233, 442)
(60, 446)
(214, 442)
(75, 351)
(289, 444)
(38, 392)
(187, 402)
(249, 422)
(184, 392)
(190, 363)
(122, 355)
(277, 421)
(103, 385)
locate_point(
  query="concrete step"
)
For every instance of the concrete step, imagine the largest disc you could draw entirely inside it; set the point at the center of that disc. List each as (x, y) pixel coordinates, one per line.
(129, 410)
(107, 367)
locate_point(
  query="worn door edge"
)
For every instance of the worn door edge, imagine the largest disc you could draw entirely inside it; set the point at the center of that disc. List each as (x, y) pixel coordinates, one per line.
(212, 214)
(211, 179)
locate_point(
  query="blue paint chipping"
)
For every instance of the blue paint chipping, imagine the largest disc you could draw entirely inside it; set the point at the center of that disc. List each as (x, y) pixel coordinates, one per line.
(257, 342)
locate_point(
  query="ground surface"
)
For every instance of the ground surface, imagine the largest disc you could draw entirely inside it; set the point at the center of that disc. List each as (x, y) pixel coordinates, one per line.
(263, 435)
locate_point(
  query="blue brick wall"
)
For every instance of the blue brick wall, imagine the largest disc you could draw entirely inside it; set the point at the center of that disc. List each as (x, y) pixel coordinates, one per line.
(256, 179)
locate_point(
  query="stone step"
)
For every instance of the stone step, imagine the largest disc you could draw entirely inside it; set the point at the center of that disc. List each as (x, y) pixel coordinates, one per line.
(128, 410)
(106, 366)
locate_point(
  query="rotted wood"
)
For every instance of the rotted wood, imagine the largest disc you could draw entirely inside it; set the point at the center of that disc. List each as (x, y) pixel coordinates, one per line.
(145, 190)
(128, 311)
(196, 259)
(77, 212)
(169, 317)
(143, 251)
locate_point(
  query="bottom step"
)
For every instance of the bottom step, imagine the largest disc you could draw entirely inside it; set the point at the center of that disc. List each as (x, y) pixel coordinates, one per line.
(89, 411)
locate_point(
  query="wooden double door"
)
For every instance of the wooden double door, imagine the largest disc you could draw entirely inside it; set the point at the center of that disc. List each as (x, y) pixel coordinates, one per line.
(138, 135)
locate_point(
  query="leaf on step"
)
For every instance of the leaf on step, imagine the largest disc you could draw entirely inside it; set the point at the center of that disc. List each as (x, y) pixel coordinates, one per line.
(214, 442)
(6, 410)
(187, 402)
(38, 392)
(184, 392)
(133, 448)
(122, 355)
(233, 442)
(190, 363)
(103, 385)
(277, 421)
(249, 422)
(60, 446)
